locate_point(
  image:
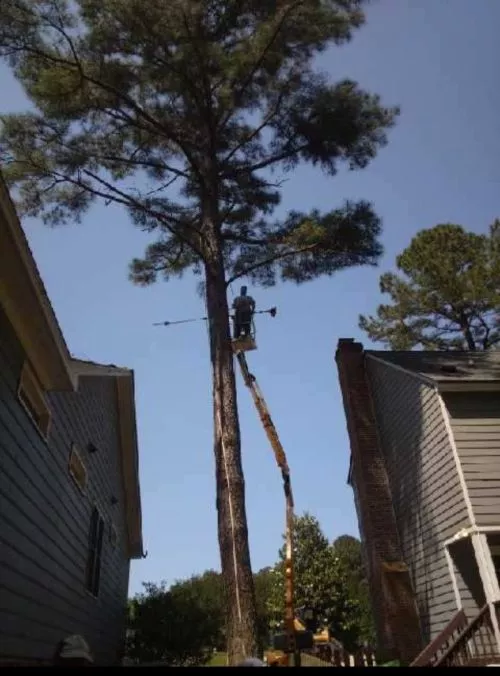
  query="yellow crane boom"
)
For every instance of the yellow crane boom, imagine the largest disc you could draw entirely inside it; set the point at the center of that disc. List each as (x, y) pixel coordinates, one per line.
(279, 453)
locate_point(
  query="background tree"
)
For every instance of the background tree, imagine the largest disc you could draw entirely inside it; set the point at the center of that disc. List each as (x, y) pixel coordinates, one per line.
(321, 582)
(168, 627)
(264, 581)
(178, 112)
(200, 597)
(349, 553)
(206, 591)
(448, 296)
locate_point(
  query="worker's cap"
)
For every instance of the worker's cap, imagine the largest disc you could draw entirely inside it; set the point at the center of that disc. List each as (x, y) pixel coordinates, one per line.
(252, 662)
(75, 648)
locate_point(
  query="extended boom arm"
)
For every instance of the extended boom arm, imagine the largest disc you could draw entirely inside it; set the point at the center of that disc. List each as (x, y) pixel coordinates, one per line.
(279, 453)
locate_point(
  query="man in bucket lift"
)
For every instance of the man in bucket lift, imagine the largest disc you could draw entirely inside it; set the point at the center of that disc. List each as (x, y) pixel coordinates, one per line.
(244, 307)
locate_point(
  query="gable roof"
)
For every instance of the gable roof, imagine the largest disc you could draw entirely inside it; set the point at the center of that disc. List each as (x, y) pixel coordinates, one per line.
(445, 367)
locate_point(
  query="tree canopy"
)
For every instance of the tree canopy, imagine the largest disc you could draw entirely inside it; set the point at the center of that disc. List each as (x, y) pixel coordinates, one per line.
(160, 107)
(168, 626)
(188, 114)
(326, 581)
(348, 550)
(447, 295)
(207, 593)
(184, 623)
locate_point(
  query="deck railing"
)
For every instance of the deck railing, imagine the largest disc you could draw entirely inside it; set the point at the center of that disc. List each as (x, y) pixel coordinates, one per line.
(443, 641)
(340, 658)
(476, 645)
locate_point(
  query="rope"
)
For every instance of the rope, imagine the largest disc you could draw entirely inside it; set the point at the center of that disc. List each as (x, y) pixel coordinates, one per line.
(231, 518)
(230, 495)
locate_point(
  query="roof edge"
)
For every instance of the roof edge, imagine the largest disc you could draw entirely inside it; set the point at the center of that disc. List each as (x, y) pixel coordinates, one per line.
(397, 367)
(127, 429)
(25, 301)
(468, 385)
(443, 384)
(125, 389)
(90, 368)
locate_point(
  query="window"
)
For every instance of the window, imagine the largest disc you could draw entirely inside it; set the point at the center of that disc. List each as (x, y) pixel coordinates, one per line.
(95, 552)
(77, 469)
(31, 396)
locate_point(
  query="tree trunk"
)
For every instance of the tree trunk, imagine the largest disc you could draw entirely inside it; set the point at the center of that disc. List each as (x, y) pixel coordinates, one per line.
(464, 322)
(242, 630)
(469, 338)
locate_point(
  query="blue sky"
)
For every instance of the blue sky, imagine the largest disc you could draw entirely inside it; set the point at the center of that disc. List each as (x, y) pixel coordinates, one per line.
(439, 61)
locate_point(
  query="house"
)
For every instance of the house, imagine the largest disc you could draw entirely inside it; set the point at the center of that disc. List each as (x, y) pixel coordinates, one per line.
(424, 430)
(70, 511)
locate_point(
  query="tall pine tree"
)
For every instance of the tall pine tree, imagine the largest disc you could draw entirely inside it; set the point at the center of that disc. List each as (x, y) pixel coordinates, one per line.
(448, 295)
(179, 111)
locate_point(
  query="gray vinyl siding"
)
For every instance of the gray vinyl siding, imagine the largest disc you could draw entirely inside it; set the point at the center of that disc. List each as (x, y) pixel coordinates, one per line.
(475, 421)
(428, 501)
(45, 519)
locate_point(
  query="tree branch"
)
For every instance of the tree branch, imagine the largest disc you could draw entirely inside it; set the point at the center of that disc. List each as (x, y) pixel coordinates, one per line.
(250, 241)
(113, 191)
(207, 112)
(158, 215)
(120, 197)
(487, 329)
(159, 40)
(259, 60)
(256, 131)
(129, 101)
(267, 261)
(143, 163)
(165, 186)
(268, 161)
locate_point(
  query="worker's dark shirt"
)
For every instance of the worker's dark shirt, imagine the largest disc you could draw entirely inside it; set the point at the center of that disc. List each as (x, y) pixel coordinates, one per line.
(244, 304)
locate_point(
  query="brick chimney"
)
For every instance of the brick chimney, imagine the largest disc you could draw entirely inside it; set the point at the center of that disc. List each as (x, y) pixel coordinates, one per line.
(393, 600)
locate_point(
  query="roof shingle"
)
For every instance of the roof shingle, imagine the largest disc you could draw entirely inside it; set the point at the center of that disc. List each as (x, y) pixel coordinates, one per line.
(446, 366)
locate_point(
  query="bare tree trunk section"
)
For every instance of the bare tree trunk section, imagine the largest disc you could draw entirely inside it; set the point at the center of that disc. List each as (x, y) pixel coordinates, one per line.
(242, 634)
